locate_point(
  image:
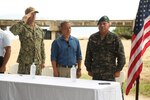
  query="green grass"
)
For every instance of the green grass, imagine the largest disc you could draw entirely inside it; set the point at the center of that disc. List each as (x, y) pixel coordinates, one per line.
(85, 76)
(147, 64)
(144, 88)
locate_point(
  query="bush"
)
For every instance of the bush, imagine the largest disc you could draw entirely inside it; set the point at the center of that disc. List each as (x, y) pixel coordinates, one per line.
(123, 32)
(125, 36)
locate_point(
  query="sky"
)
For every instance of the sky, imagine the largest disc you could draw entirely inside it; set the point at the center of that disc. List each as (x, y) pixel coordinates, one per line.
(71, 9)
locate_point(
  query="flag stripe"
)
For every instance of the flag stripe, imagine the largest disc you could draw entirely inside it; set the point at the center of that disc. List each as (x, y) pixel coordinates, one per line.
(134, 77)
(136, 59)
(137, 50)
(139, 43)
(136, 53)
(147, 44)
(139, 62)
(134, 49)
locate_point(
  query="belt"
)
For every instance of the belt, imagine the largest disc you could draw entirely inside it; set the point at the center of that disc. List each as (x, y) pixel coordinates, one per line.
(66, 66)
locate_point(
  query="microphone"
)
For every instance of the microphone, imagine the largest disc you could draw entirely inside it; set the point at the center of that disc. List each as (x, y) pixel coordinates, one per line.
(68, 43)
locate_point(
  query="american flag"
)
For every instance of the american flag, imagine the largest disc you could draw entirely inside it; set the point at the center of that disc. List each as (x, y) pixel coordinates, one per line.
(139, 43)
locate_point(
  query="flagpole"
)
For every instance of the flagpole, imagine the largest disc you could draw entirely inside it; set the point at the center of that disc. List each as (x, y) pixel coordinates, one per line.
(137, 88)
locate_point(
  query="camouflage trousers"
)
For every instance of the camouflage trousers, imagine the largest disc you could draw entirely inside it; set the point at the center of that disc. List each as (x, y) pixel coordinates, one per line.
(105, 77)
(25, 69)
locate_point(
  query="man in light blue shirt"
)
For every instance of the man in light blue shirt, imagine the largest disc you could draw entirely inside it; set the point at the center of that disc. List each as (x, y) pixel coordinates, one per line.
(65, 52)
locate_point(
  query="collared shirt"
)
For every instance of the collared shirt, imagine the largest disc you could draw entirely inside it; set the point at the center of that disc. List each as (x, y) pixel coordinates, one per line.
(4, 42)
(66, 53)
(32, 43)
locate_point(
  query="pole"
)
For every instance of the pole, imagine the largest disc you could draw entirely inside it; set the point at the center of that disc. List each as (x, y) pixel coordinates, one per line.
(137, 88)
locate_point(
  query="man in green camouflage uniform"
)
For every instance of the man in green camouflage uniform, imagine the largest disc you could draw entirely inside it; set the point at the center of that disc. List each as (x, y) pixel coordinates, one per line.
(31, 38)
(105, 53)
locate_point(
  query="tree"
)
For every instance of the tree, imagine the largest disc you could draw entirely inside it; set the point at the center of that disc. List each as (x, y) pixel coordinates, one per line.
(123, 32)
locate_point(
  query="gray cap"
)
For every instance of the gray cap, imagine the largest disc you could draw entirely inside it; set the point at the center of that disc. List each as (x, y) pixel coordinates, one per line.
(29, 9)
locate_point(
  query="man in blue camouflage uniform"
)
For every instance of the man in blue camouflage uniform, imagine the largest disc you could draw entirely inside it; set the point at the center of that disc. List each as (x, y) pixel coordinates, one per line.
(105, 56)
(31, 38)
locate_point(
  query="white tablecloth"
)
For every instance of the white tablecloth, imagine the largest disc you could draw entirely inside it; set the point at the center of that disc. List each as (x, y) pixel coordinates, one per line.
(23, 87)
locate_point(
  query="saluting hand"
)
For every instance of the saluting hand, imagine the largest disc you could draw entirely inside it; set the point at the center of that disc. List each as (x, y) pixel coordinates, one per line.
(27, 16)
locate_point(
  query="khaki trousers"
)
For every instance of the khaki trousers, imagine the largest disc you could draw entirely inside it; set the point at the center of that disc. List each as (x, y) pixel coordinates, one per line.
(64, 72)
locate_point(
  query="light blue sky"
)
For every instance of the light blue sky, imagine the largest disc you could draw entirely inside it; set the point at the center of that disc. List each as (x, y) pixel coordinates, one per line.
(71, 9)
